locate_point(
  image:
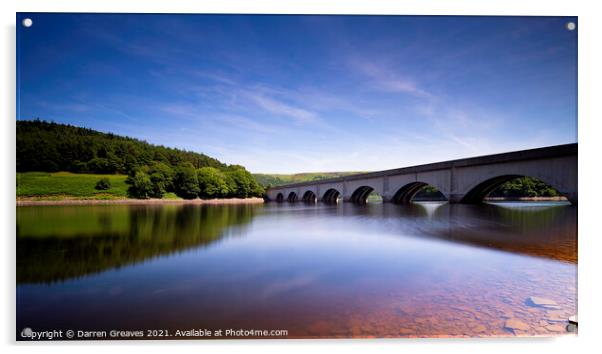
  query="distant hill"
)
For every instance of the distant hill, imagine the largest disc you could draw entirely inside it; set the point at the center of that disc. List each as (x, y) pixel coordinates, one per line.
(280, 179)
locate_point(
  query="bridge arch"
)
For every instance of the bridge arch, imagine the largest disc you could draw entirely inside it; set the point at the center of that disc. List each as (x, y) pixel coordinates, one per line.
(309, 197)
(481, 190)
(464, 180)
(407, 192)
(292, 197)
(331, 196)
(360, 195)
(280, 198)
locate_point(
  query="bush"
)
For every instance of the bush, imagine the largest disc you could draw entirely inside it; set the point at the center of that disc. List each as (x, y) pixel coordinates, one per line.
(212, 183)
(103, 184)
(241, 183)
(186, 184)
(161, 176)
(100, 165)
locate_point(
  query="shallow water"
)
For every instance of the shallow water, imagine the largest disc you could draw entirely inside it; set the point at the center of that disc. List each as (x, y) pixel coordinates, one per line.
(377, 270)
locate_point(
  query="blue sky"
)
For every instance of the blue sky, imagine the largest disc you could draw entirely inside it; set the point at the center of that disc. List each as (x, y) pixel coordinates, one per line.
(286, 94)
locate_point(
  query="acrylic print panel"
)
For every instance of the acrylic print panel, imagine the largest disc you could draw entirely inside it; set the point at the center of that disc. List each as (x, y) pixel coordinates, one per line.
(279, 177)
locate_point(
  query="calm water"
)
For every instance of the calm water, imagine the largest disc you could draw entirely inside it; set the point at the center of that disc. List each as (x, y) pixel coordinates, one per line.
(378, 270)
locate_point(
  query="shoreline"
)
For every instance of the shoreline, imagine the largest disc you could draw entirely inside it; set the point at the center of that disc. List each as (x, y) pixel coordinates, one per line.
(526, 199)
(34, 202)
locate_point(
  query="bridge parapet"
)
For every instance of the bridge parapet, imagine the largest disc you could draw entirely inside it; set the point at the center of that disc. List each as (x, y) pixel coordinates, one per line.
(463, 180)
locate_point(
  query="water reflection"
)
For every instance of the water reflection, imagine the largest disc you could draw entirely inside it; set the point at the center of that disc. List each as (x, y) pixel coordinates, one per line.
(384, 270)
(58, 243)
(537, 229)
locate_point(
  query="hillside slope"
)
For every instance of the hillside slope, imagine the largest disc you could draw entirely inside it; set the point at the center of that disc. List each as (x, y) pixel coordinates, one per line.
(49, 147)
(280, 179)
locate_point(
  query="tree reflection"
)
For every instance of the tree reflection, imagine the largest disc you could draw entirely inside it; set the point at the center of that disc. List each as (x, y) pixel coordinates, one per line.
(59, 243)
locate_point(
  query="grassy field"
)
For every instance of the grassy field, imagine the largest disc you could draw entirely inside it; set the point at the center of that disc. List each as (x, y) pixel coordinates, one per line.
(62, 185)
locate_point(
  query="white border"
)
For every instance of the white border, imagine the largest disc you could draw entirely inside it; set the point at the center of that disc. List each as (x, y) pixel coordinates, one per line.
(590, 135)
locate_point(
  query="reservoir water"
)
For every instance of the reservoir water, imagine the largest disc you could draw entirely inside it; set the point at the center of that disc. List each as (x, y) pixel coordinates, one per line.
(376, 270)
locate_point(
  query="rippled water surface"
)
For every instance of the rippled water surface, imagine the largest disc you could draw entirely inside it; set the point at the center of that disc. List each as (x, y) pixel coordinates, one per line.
(377, 270)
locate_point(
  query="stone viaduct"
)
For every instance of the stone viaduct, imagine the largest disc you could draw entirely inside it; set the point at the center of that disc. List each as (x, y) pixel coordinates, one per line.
(460, 181)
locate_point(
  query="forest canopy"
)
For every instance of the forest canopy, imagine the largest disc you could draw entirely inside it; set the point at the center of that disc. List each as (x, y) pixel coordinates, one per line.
(152, 170)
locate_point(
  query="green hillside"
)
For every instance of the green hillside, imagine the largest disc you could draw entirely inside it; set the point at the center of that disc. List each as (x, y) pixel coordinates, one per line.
(149, 171)
(280, 179)
(51, 147)
(59, 185)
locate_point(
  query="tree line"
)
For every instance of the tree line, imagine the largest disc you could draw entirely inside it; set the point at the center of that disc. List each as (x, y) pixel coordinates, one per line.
(273, 180)
(524, 187)
(188, 182)
(152, 170)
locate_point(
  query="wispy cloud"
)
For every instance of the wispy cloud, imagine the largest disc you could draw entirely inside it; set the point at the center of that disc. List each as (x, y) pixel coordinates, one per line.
(385, 79)
(216, 77)
(117, 111)
(304, 104)
(64, 107)
(328, 101)
(274, 106)
(234, 99)
(81, 106)
(249, 124)
(235, 95)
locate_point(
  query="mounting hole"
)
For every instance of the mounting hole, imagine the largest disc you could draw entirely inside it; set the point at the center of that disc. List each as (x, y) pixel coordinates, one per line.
(571, 26)
(27, 22)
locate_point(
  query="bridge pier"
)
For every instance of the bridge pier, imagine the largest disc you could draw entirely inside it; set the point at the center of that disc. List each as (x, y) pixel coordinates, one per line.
(572, 197)
(455, 198)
